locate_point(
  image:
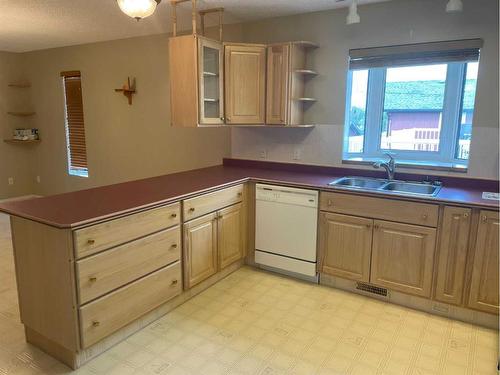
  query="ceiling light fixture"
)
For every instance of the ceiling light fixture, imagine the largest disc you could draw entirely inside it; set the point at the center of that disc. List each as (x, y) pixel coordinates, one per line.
(353, 16)
(454, 6)
(138, 9)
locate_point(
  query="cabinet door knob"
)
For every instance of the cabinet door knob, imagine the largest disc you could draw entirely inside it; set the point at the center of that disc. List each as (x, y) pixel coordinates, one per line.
(173, 215)
(240, 194)
(228, 119)
(96, 323)
(329, 202)
(90, 241)
(376, 226)
(484, 218)
(174, 282)
(424, 217)
(222, 118)
(368, 226)
(466, 215)
(191, 209)
(174, 246)
(93, 279)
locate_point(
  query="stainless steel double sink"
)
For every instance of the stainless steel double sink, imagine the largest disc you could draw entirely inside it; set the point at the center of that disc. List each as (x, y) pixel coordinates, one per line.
(388, 186)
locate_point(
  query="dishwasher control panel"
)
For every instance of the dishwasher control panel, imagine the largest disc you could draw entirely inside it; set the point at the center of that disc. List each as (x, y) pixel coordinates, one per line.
(286, 195)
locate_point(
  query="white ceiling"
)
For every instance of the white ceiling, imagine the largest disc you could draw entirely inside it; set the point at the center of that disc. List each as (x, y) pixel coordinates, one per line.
(27, 25)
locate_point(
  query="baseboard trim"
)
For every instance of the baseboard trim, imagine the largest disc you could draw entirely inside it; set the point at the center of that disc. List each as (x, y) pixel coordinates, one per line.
(417, 303)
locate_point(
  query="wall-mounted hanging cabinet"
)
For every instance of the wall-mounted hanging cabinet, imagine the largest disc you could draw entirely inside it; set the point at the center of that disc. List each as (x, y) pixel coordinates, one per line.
(196, 81)
(245, 83)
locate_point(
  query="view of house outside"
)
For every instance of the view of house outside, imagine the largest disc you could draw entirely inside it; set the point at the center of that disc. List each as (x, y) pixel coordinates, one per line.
(412, 111)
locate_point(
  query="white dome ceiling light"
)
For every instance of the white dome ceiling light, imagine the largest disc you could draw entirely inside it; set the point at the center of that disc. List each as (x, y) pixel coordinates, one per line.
(454, 6)
(353, 16)
(138, 9)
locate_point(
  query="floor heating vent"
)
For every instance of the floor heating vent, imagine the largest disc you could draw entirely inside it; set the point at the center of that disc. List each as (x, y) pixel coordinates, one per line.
(372, 289)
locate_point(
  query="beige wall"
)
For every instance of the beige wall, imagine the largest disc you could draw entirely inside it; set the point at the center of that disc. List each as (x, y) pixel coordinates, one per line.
(15, 161)
(123, 142)
(394, 22)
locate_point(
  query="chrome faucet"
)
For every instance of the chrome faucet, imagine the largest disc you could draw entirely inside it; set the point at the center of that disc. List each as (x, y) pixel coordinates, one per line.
(389, 166)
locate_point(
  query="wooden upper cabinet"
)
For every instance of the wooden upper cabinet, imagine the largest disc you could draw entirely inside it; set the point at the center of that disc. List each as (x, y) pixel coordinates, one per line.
(278, 77)
(200, 249)
(345, 246)
(245, 83)
(452, 254)
(402, 257)
(196, 81)
(484, 283)
(230, 235)
(211, 81)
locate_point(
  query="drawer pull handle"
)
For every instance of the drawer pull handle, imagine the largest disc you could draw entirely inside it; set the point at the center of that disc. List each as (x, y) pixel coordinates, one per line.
(96, 323)
(368, 226)
(174, 282)
(424, 217)
(173, 216)
(191, 209)
(174, 246)
(466, 215)
(240, 194)
(93, 279)
(90, 241)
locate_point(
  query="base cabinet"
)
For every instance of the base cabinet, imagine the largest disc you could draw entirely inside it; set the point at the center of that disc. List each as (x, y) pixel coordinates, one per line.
(346, 245)
(485, 268)
(200, 249)
(452, 254)
(213, 242)
(402, 257)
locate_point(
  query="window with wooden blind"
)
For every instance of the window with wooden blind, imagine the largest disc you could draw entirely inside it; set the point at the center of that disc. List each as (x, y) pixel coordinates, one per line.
(75, 126)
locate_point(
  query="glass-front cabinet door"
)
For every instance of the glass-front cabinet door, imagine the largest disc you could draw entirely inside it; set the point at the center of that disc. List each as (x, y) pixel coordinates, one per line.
(211, 82)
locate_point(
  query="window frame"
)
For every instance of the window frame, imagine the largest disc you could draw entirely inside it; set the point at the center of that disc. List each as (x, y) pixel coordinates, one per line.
(450, 127)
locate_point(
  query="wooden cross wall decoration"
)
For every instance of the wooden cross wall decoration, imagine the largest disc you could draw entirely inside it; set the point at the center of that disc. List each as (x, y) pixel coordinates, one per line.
(128, 90)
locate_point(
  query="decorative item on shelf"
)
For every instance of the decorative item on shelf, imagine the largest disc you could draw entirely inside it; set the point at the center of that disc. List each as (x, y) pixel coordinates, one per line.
(24, 136)
(128, 90)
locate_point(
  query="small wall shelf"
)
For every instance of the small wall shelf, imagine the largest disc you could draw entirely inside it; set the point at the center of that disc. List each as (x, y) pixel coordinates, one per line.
(19, 142)
(21, 114)
(20, 85)
(305, 100)
(306, 72)
(305, 44)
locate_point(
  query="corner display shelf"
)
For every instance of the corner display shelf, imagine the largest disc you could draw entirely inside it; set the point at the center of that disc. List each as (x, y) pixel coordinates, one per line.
(19, 142)
(21, 114)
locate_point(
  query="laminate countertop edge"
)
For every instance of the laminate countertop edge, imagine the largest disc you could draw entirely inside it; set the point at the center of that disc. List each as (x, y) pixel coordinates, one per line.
(61, 211)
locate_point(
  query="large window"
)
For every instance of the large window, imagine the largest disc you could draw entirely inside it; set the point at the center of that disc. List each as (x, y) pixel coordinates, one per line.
(75, 126)
(414, 101)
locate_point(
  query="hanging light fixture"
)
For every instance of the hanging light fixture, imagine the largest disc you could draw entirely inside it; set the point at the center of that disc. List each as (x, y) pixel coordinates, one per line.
(353, 16)
(454, 6)
(138, 9)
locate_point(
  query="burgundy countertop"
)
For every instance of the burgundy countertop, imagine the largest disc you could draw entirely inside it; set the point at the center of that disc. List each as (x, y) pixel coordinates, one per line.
(82, 207)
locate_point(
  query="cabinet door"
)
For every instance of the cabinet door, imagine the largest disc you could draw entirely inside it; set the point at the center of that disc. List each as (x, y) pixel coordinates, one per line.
(200, 249)
(245, 75)
(345, 246)
(230, 235)
(402, 257)
(484, 284)
(453, 245)
(210, 73)
(278, 70)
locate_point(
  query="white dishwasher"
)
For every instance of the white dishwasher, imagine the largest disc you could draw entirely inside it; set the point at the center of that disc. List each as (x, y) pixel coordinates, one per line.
(286, 229)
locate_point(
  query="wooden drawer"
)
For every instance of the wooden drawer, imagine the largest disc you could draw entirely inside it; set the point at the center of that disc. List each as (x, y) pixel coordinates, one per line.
(95, 238)
(109, 270)
(380, 208)
(199, 206)
(106, 315)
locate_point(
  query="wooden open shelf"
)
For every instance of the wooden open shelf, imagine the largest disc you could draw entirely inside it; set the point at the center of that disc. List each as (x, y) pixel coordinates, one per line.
(19, 142)
(20, 85)
(21, 114)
